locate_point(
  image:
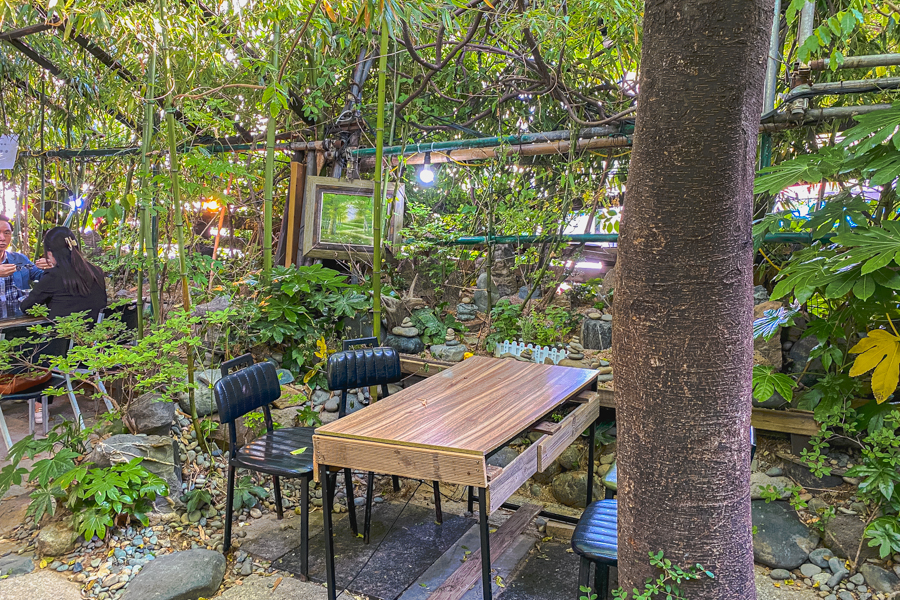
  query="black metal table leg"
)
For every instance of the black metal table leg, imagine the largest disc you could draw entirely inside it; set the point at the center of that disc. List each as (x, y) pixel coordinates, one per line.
(304, 527)
(471, 499)
(485, 544)
(438, 513)
(370, 490)
(327, 497)
(592, 430)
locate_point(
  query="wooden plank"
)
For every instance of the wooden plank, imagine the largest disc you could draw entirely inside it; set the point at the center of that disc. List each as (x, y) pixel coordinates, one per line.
(413, 365)
(800, 422)
(475, 406)
(415, 463)
(294, 211)
(550, 447)
(493, 472)
(548, 427)
(514, 476)
(470, 571)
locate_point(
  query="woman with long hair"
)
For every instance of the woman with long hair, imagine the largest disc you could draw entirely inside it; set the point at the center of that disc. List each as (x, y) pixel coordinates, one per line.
(72, 284)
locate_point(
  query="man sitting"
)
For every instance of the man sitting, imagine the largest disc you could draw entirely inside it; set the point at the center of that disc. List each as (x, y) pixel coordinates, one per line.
(16, 273)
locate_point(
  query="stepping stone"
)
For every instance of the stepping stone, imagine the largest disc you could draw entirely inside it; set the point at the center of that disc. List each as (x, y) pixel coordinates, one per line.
(184, 575)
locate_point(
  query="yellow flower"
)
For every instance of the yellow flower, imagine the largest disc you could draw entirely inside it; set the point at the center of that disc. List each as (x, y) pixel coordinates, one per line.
(468, 355)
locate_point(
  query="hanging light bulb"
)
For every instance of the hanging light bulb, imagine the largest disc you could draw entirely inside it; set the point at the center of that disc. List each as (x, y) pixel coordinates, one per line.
(426, 175)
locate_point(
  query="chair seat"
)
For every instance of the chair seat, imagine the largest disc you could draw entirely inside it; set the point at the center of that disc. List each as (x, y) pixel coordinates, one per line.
(595, 536)
(271, 453)
(36, 391)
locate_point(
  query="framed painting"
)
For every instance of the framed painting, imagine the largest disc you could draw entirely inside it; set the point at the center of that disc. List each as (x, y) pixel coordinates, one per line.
(337, 217)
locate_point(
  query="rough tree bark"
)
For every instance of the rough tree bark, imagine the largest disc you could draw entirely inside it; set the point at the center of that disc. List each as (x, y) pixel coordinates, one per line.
(683, 306)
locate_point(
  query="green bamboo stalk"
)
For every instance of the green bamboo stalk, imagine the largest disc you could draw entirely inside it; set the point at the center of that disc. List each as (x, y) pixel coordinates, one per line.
(144, 227)
(179, 215)
(379, 176)
(270, 167)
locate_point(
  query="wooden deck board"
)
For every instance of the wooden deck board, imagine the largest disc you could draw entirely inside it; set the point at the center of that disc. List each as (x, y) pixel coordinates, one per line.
(473, 407)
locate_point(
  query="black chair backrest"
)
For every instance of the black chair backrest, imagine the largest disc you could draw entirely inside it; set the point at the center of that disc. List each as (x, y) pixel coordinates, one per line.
(126, 313)
(369, 342)
(246, 390)
(37, 350)
(236, 364)
(362, 368)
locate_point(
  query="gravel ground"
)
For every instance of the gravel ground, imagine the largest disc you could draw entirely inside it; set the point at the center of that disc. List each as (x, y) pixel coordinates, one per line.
(766, 590)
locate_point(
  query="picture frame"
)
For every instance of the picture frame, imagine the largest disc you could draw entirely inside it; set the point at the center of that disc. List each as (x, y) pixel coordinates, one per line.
(337, 217)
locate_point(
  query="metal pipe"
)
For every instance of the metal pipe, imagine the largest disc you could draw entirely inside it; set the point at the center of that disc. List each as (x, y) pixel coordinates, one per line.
(856, 86)
(776, 121)
(858, 62)
(774, 61)
(474, 240)
(807, 20)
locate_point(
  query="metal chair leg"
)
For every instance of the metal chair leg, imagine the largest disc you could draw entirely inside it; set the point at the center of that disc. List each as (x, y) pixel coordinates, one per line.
(438, 513)
(396, 481)
(279, 509)
(327, 495)
(5, 431)
(584, 576)
(370, 492)
(601, 580)
(229, 509)
(102, 388)
(31, 404)
(79, 420)
(46, 419)
(351, 503)
(304, 527)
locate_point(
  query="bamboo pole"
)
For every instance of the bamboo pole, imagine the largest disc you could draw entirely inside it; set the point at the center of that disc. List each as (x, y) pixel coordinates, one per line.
(179, 216)
(270, 168)
(145, 199)
(379, 181)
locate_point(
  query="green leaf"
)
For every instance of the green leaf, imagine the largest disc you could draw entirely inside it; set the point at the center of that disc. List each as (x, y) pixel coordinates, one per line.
(772, 321)
(766, 382)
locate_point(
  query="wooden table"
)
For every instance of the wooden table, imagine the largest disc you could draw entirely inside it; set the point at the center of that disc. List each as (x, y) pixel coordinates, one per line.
(20, 321)
(444, 428)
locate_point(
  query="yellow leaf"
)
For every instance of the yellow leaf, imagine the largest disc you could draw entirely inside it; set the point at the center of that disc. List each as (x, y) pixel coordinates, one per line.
(322, 348)
(44, 564)
(309, 375)
(329, 11)
(489, 4)
(299, 450)
(879, 351)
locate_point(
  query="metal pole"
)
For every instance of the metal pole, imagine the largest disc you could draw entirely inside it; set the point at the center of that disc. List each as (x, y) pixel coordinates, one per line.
(270, 166)
(858, 62)
(772, 69)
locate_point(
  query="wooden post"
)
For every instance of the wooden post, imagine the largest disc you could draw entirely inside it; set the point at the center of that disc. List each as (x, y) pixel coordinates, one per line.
(294, 211)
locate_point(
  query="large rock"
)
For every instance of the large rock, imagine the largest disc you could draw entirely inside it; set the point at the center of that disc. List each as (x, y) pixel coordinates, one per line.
(761, 481)
(217, 304)
(573, 458)
(204, 400)
(15, 564)
(843, 534)
(480, 297)
(406, 345)
(184, 575)
(448, 353)
(804, 477)
(159, 453)
(149, 414)
(13, 507)
(767, 353)
(760, 295)
(879, 579)
(547, 475)
(466, 312)
(570, 488)
(503, 457)
(523, 292)
(781, 541)
(776, 400)
(56, 538)
(596, 334)
(799, 357)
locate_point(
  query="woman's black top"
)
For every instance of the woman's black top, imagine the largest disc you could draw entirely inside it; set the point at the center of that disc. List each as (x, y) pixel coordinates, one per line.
(51, 290)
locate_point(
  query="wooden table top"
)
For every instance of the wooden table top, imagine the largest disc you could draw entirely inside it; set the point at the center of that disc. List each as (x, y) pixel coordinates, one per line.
(474, 407)
(21, 320)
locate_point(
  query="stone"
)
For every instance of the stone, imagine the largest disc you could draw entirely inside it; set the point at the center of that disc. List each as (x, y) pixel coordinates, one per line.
(568, 362)
(210, 376)
(782, 541)
(607, 317)
(546, 476)
(760, 295)
(448, 353)
(159, 454)
(405, 345)
(576, 355)
(466, 300)
(466, 311)
(776, 400)
(408, 332)
(204, 400)
(775, 472)
(594, 315)
(219, 303)
(13, 508)
(290, 588)
(820, 557)
(838, 572)
(480, 295)
(843, 535)
(596, 335)
(809, 569)
(333, 405)
(799, 355)
(805, 478)
(523, 292)
(858, 579)
(15, 564)
(573, 458)
(570, 488)
(780, 574)
(845, 595)
(821, 579)
(319, 397)
(186, 575)
(767, 353)
(56, 538)
(149, 414)
(880, 579)
(503, 457)
(760, 481)
(406, 322)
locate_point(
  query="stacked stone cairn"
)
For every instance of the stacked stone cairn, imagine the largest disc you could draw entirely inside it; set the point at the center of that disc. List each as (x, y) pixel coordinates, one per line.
(405, 338)
(574, 350)
(466, 310)
(451, 350)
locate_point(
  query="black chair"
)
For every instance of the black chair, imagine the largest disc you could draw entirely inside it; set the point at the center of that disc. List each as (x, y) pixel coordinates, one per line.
(253, 387)
(595, 539)
(360, 369)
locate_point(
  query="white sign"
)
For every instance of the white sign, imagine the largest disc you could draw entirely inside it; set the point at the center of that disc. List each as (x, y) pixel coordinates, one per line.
(9, 146)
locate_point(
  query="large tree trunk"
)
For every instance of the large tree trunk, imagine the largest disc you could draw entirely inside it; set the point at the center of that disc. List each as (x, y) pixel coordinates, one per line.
(683, 306)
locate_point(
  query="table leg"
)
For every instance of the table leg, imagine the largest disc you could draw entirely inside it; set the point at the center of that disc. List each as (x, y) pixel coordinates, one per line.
(592, 430)
(485, 544)
(327, 497)
(304, 527)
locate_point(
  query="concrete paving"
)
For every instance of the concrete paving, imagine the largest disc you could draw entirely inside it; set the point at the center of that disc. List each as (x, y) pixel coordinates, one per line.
(40, 585)
(276, 587)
